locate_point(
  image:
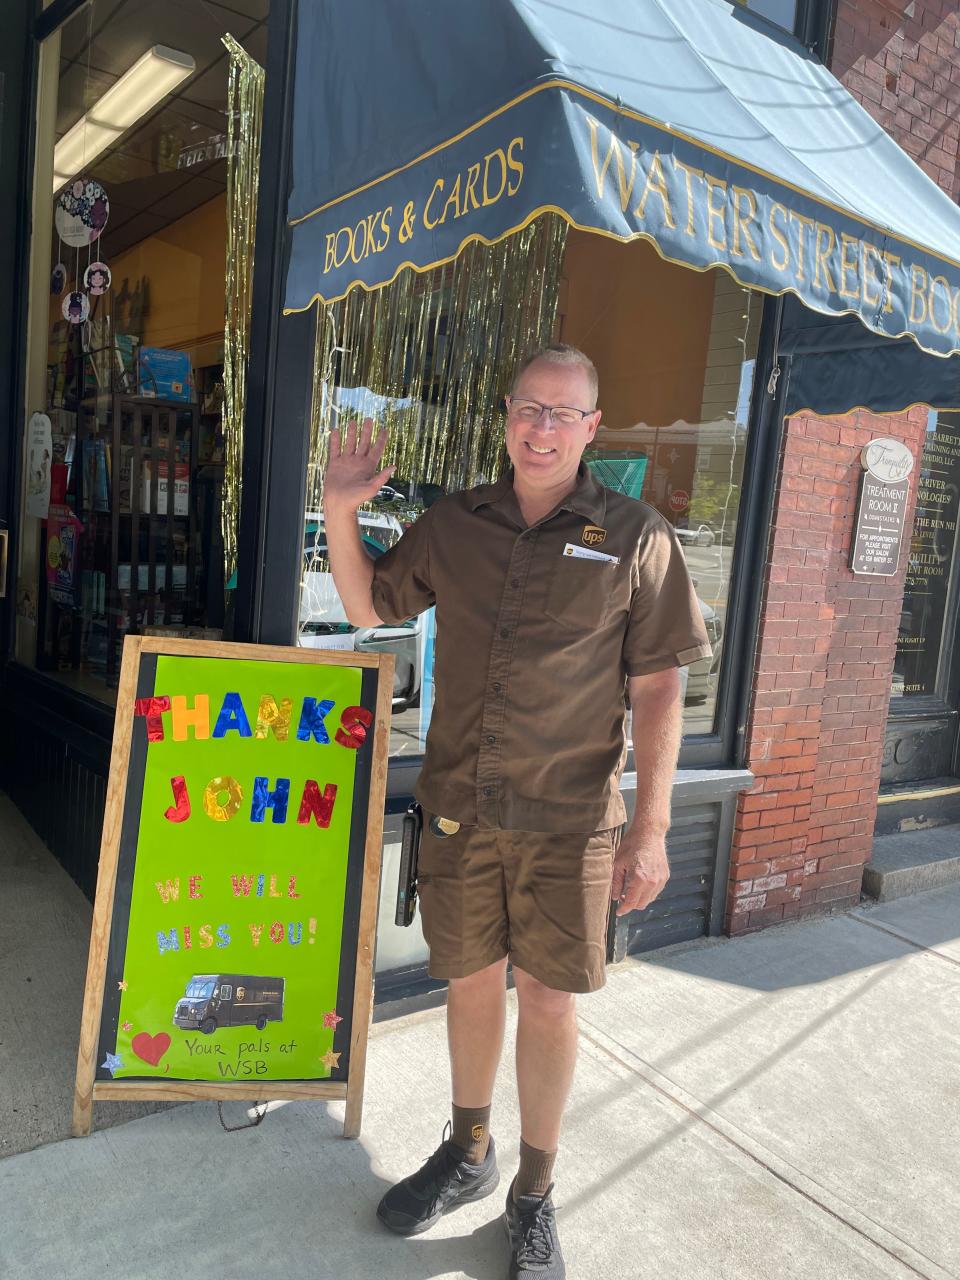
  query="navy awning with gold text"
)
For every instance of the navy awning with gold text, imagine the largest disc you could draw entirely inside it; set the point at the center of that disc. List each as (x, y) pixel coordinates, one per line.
(420, 125)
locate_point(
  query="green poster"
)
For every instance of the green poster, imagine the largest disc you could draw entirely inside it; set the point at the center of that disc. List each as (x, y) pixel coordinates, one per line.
(231, 960)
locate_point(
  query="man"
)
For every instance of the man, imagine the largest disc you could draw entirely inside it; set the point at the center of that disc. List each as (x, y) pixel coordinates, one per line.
(555, 598)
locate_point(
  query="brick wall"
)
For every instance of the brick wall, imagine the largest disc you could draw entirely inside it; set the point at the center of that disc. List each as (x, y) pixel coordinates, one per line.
(821, 683)
(827, 639)
(901, 60)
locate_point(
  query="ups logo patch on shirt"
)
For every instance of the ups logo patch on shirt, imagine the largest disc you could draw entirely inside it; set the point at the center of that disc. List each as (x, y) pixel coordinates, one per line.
(593, 535)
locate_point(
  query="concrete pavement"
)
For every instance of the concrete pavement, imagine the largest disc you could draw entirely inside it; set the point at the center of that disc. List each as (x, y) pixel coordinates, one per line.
(44, 936)
(785, 1104)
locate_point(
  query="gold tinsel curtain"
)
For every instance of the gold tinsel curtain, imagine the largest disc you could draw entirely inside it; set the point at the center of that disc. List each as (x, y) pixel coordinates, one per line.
(430, 356)
(244, 121)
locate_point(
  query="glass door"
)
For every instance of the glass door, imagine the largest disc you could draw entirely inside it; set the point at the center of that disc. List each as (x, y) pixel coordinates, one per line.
(921, 740)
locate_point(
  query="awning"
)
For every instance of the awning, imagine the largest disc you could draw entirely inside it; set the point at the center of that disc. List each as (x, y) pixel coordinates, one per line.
(420, 125)
(833, 365)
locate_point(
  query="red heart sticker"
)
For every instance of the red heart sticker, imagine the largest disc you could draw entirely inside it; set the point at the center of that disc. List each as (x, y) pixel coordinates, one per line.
(150, 1048)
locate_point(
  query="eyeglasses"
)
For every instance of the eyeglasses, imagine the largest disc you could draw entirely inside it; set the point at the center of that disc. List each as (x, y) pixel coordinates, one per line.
(531, 411)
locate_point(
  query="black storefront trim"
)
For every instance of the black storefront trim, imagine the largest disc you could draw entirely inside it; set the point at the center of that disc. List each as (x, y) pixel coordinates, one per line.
(278, 566)
(815, 26)
(270, 442)
(408, 990)
(17, 232)
(935, 802)
(760, 472)
(55, 15)
(24, 688)
(55, 768)
(724, 748)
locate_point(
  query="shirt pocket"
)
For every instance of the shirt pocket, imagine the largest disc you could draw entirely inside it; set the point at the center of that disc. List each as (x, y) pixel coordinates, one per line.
(580, 591)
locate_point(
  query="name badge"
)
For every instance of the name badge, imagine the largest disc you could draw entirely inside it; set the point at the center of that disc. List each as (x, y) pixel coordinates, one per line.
(587, 553)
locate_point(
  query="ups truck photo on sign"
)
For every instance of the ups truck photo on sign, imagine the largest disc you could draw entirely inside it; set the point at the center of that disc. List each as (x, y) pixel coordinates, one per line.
(229, 1000)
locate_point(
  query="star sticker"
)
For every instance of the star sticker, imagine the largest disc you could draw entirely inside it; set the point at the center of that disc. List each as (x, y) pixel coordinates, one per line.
(122, 984)
(113, 1063)
(331, 1019)
(330, 1059)
(127, 1026)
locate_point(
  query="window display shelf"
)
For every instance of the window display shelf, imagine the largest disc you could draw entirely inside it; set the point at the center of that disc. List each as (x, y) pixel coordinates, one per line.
(132, 509)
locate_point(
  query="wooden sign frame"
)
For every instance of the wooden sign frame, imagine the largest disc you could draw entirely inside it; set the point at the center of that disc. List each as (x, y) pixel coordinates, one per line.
(88, 1089)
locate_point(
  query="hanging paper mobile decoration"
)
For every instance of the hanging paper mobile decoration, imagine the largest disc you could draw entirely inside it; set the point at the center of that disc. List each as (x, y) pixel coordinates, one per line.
(76, 307)
(97, 278)
(58, 279)
(82, 212)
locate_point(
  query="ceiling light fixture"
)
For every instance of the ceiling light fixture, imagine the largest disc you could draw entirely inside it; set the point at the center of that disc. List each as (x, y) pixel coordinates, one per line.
(151, 78)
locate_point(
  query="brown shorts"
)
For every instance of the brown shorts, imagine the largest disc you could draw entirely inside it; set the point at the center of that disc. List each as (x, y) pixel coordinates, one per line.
(540, 898)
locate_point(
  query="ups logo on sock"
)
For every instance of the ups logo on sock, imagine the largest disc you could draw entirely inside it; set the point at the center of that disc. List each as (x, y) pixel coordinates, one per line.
(477, 1132)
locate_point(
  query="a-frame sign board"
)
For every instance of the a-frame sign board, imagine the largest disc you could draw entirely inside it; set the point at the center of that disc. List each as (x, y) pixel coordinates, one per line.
(232, 947)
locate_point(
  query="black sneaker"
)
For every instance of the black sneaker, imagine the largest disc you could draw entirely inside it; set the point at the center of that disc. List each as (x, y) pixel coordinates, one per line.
(445, 1182)
(531, 1223)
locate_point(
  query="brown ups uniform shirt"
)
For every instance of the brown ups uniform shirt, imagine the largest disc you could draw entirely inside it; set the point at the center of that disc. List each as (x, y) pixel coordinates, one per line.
(534, 645)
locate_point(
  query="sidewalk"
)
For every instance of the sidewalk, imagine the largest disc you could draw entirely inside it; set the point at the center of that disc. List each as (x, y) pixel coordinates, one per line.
(780, 1105)
(44, 936)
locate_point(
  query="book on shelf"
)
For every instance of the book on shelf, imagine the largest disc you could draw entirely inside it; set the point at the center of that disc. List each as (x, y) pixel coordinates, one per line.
(178, 577)
(125, 356)
(125, 478)
(93, 592)
(96, 481)
(181, 488)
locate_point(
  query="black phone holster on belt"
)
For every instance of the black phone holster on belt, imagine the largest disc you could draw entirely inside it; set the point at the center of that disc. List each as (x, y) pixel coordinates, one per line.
(409, 857)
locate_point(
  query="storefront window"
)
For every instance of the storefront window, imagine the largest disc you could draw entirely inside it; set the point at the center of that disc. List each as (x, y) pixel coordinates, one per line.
(924, 640)
(676, 352)
(782, 12)
(124, 512)
(431, 357)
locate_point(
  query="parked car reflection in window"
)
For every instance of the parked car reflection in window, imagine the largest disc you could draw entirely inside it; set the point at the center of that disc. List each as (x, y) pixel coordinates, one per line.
(323, 623)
